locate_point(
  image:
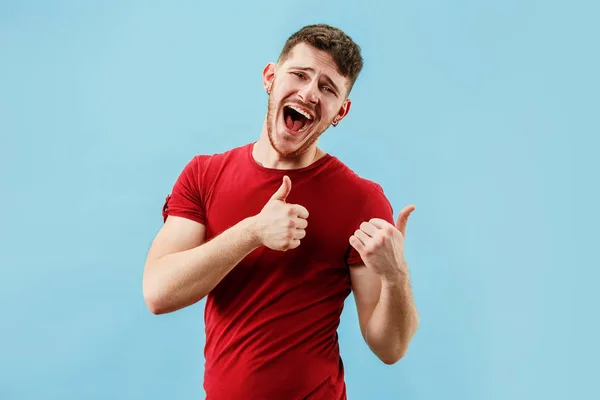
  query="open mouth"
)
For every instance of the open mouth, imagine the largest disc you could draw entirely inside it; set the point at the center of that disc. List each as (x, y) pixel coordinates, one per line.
(296, 119)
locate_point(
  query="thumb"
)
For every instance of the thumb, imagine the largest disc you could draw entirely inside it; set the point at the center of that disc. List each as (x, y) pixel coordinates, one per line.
(284, 190)
(403, 218)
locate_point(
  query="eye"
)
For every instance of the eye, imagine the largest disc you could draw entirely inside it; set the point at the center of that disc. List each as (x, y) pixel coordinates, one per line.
(299, 74)
(330, 90)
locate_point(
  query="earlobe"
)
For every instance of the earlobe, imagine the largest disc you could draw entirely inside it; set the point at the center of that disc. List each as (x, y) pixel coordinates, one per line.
(343, 112)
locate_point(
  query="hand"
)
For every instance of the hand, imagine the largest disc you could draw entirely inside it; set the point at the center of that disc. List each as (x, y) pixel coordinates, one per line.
(280, 225)
(381, 245)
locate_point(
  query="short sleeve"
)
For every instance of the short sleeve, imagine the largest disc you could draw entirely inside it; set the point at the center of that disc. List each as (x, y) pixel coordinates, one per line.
(185, 199)
(376, 205)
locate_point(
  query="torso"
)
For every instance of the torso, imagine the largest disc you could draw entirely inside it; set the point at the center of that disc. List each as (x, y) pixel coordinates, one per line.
(271, 323)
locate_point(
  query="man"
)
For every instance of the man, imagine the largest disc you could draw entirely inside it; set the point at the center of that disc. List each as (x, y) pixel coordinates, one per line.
(277, 233)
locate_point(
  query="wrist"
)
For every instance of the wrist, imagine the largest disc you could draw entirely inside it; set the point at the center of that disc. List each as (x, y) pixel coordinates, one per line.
(397, 279)
(251, 231)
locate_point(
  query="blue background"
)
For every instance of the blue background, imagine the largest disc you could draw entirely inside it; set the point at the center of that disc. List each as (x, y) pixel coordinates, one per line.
(483, 114)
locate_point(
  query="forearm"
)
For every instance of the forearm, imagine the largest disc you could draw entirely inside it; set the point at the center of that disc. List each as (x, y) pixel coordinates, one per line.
(393, 322)
(180, 279)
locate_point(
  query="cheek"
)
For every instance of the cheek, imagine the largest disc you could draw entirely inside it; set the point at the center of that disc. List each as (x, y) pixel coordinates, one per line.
(330, 113)
(285, 87)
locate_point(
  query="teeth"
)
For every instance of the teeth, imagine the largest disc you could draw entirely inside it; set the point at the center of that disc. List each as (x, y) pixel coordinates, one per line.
(307, 115)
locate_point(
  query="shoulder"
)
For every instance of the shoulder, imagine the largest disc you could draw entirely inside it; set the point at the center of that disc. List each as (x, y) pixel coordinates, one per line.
(196, 181)
(353, 181)
(205, 161)
(366, 194)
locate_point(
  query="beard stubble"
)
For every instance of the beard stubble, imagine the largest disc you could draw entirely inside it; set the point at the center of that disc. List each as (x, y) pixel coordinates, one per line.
(292, 153)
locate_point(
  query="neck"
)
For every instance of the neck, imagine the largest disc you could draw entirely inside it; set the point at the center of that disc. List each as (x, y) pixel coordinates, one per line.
(264, 154)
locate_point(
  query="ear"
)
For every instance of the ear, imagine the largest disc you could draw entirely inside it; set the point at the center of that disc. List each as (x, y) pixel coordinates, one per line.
(269, 76)
(344, 110)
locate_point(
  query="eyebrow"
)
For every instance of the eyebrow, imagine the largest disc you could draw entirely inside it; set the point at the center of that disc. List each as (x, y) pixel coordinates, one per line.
(327, 78)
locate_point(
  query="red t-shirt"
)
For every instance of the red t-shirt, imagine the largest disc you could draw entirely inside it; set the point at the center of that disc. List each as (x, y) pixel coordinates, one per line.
(271, 323)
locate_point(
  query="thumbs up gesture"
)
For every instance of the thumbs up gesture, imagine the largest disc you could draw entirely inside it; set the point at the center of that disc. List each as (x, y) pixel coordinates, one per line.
(381, 245)
(280, 225)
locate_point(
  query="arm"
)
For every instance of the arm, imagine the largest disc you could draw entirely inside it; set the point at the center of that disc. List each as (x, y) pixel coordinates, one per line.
(181, 268)
(387, 313)
(386, 309)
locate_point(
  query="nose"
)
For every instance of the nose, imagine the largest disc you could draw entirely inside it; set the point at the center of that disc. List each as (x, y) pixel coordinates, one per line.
(309, 93)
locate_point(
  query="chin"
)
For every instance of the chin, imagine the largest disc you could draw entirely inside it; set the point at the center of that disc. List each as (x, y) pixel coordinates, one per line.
(285, 144)
(289, 145)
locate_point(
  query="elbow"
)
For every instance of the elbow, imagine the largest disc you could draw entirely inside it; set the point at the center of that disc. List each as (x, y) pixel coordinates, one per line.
(397, 351)
(155, 302)
(393, 357)
(154, 307)
(401, 348)
(160, 300)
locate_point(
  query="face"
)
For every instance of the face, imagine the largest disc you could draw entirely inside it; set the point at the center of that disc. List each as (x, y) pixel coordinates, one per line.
(307, 93)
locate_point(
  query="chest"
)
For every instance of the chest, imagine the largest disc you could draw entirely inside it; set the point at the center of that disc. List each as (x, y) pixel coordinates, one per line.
(331, 222)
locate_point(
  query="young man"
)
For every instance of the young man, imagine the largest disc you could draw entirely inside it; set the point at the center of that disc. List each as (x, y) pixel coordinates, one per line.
(277, 233)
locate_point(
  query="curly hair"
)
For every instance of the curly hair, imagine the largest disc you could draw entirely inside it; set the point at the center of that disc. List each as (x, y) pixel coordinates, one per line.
(344, 51)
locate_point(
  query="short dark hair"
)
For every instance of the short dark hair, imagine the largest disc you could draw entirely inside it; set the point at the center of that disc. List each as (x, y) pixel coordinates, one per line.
(344, 51)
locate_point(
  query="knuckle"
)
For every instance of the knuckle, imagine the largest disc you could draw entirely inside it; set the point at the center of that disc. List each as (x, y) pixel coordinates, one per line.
(371, 248)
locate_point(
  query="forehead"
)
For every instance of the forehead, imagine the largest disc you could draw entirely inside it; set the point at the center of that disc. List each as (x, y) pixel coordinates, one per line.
(305, 56)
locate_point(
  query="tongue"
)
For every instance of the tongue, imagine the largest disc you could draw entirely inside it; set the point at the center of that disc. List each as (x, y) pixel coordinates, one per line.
(292, 125)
